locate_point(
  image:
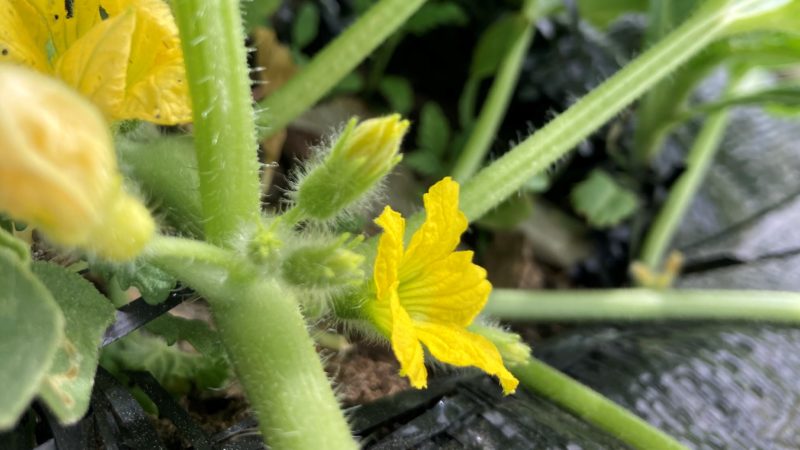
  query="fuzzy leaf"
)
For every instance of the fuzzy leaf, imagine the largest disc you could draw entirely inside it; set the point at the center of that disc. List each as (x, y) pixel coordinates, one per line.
(434, 131)
(31, 329)
(68, 385)
(196, 332)
(602, 200)
(602, 13)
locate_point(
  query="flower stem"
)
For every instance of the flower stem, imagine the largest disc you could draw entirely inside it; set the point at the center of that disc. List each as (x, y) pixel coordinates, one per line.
(216, 68)
(331, 64)
(505, 176)
(644, 304)
(494, 108)
(265, 336)
(592, 407)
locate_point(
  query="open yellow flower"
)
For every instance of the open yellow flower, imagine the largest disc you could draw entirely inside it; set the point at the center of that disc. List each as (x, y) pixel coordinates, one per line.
(429, 293)
(124, 55)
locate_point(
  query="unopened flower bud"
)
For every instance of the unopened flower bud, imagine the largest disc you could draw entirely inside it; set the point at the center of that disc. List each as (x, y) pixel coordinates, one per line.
(58, 170)
(330, 265)
(362, 155)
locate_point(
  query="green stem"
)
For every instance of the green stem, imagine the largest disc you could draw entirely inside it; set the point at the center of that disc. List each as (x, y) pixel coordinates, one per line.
(331, 64)
(495, 106)
(265, 336)
(175, 248)
(592, 407)
(644, 304)
(216, 68)
(683, 191)
(505, 176)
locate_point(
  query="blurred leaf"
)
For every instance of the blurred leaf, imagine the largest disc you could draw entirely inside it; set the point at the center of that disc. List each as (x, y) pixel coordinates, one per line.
(153, 283)
(494, 44)
(602, 201)
(256, 12)
(31, 329)
(305, 26)
(20, 248)
(425, 163)
(509, 213)
(398, 93)
(435, 15)
(764, 15)
(353, 82)
(67, 388)
(538, 183)
(602, 13)
(196, 332)
(433, 133)
(783, 96)
(175, 369)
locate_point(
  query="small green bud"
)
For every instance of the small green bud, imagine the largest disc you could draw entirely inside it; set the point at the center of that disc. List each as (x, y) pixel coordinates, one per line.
(510, 345)
(331, 265)
(362, 155)
(264, 245)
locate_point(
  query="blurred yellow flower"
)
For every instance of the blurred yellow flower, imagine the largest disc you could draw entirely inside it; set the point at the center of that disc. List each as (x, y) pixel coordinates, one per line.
(429, 293)
(58, 171)
(124, 55)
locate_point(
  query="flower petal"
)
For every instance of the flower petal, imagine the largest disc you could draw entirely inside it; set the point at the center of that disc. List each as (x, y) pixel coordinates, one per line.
(23, 35)
(155, 87)
(390, 252)
(456, 346)
(440, 233)
(96, 64)
(405, 344)
(450, 291)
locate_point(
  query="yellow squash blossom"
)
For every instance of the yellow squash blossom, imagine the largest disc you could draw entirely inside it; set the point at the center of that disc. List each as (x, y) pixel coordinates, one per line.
(58, 171)
(124, 55)
(428, 293)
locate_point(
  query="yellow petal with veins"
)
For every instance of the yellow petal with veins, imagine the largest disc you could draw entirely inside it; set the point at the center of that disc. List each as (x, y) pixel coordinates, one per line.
(22, 35)
(459, 347)
(440, 233)
(450, 291)
(390, 252)
(405, 344)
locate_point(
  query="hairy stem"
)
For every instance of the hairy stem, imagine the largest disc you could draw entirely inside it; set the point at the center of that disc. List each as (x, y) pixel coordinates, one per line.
(592, 407)
(265, 336)
(644, 304)
(216, 68)
(494, 108)
(331, 64)
(505, 176)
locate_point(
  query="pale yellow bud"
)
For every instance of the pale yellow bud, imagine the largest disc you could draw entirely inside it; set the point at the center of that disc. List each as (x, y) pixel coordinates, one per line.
(58, 171)
(361, 156)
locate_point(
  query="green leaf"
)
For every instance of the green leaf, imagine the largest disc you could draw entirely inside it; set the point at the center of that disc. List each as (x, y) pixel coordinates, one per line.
(433, 133)
(153, 283)
(494, 44)
(196, 332)
(306, 25)
(68, 385)
(435, 15)
(398, 93)
(31, 329)
(763, 15)
(602, 13)
(18, 247)
(508, 214)
(256, 12)
(602, 200)
(424, 163)
(175, 369)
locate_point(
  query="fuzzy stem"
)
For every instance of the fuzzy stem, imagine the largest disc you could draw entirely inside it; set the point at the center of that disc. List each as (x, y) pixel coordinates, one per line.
(331, 64)
(494, 108)
(592, 407)
(505, 176)
(644, 304)
(216, 68)
(265, 336)
(683, 191)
